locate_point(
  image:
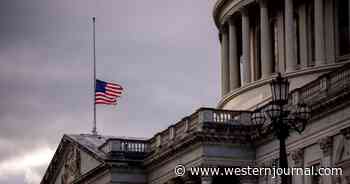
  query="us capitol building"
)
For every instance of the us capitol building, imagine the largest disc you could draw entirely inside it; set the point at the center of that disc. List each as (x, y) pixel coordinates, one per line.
(307, 41)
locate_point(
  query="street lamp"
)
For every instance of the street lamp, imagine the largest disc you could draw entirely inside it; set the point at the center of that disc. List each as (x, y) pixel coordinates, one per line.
(281, 119)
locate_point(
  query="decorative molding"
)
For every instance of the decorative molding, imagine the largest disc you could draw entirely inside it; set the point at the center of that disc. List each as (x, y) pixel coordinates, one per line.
(298, 157)
(72, 166)
(346, 133)
(326, 145)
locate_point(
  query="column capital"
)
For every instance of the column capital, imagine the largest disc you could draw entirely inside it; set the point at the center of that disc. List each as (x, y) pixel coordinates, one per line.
(231, 21)
(298, 157)
(263, 3)
(244, 11)
(223, 29)
(345, 132)
(326, 145)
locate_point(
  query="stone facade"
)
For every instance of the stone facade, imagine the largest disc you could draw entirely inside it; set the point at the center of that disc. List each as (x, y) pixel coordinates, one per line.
(308, 41)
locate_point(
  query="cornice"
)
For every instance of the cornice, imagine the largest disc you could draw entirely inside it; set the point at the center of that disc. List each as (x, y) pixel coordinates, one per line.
(216, 11)
(239, 136)
(230, 7)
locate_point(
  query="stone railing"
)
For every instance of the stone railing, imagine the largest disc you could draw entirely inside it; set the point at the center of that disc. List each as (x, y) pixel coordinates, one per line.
(124, 148)
(320, 90)
(195, 122)
(132, 148)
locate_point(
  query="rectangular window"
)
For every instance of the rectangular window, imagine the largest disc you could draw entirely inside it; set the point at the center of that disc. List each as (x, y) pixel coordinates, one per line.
(343, 18)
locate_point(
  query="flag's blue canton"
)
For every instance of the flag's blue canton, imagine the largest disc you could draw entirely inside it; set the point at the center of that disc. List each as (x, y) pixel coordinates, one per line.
(101, 86)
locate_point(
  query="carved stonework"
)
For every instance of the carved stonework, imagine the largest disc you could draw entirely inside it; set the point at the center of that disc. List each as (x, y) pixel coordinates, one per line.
(71, 165)
(342, 153)
(346, 133)
(326, 145)
(298, 157)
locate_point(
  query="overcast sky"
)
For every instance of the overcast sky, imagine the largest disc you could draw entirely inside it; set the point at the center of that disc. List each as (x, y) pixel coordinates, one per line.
(165, 54)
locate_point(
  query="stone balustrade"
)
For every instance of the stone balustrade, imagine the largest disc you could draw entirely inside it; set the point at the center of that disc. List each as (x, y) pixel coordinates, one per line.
(132, 147)
(333, 84)
(195, 122)
(186, 126)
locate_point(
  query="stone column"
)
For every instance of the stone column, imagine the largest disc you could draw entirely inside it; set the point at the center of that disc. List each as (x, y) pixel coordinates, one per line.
(303, 48)
(289, 28)
(234, 62)
(329, 30)
(281, 42)
(319, 33)
(225, 83)
(206, 179)
(326, 145)
(298, 158)
(266, 41)
(246, 46)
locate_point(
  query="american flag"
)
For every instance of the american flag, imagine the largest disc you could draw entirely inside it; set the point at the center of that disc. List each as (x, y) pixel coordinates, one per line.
(107, 93)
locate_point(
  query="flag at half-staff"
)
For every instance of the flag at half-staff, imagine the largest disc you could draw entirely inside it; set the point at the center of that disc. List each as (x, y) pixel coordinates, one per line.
(107, 92)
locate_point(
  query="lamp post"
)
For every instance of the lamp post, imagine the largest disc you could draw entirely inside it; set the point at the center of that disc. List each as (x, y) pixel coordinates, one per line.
(282, 120)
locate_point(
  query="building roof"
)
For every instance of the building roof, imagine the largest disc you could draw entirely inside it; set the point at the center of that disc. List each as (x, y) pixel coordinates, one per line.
(93, 142)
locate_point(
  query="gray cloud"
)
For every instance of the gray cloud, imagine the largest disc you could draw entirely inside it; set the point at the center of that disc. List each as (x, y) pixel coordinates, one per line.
(165, 54)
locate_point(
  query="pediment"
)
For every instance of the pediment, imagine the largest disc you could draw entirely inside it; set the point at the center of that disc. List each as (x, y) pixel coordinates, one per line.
(70, 162)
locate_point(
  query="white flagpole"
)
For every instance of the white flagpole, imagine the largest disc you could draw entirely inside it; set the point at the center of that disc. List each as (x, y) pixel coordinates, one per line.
(94, 129)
